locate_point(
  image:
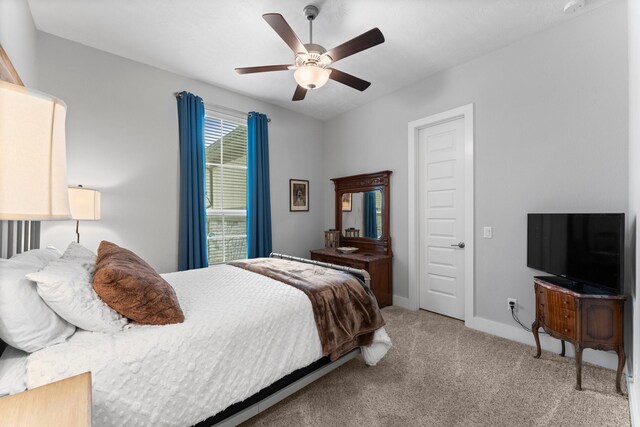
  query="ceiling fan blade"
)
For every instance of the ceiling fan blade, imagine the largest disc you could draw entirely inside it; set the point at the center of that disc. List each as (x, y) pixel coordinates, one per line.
(280, 26)
(364, 41)
(262, 69)
(348, 79)
(299, 94)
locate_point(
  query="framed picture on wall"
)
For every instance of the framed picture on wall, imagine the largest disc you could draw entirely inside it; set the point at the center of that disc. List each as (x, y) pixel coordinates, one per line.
(346, 202)
(298, 195)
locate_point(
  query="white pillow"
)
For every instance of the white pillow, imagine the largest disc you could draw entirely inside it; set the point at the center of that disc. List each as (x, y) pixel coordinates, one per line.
(26, 321)
(65, 285)
(80, 255)
(13, 371)
(40, 257)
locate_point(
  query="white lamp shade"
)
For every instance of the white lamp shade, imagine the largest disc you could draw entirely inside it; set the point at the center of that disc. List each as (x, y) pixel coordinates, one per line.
(311, 76)
(85, 203)
(33, 166)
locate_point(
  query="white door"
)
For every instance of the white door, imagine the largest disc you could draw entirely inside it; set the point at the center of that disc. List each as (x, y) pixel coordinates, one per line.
(441, 198)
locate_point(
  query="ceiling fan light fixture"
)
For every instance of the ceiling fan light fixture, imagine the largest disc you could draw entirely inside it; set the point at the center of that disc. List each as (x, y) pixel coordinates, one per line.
(311, 76)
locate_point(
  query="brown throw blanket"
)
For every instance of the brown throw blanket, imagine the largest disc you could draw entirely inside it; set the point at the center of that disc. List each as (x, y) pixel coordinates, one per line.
(345, 311)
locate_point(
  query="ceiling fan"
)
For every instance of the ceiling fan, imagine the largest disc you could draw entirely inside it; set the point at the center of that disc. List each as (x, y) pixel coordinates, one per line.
(312, 62)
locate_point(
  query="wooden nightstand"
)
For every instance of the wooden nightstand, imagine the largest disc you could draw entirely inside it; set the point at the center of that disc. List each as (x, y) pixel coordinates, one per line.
(65, 403)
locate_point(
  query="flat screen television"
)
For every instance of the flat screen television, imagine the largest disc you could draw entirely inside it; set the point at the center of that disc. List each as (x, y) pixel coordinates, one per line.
(583, 249)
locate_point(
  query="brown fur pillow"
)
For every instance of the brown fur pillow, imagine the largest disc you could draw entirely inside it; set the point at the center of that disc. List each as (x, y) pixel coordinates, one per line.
(132, 288)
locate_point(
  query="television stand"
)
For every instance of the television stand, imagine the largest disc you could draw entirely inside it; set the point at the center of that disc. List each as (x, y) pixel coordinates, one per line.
(587, 320)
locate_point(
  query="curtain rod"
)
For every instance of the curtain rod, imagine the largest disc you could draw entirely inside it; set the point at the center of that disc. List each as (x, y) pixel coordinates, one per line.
(220, 107)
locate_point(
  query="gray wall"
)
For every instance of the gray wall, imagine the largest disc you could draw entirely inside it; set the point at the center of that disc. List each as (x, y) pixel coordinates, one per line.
(122, 138)
(18, 36)
(550, 136)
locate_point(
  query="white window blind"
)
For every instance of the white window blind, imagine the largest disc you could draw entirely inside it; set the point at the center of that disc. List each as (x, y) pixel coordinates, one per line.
(225, 142)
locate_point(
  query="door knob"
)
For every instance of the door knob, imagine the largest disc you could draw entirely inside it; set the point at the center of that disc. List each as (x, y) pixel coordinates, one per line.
(459, 244)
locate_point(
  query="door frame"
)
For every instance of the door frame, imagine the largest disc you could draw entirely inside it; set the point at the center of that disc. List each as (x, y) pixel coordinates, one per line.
(466, 113)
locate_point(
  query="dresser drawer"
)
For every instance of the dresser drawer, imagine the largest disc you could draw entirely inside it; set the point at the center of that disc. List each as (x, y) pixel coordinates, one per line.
(556, 310)
(340, 261)
(562, 323)
(567, 323)
(540, 293)
(354, 264)
(567, 317)
(568, 332)
(567, 302)
(560, 301)
(541, 301)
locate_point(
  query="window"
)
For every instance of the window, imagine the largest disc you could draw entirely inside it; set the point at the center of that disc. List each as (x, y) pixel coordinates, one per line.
(225, 141)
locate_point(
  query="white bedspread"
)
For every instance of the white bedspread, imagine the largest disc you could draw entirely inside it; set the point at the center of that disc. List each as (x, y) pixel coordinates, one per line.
(242, 332)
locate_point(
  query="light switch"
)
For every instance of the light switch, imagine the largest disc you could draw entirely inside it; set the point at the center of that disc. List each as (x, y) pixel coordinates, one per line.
(488, 232)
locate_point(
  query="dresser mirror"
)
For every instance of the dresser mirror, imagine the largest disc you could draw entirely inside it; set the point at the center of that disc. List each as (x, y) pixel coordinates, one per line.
(362, 211)
(362, 214)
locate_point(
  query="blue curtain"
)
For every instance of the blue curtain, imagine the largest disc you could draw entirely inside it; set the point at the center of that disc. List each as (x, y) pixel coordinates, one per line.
(192, 234)
(370, 217)
(258, 189)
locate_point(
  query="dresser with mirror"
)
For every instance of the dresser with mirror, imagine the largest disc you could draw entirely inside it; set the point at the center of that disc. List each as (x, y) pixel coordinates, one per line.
(362, 217)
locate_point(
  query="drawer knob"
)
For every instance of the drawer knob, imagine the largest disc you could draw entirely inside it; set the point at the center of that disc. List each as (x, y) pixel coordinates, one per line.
(566, 302)
(566, 330)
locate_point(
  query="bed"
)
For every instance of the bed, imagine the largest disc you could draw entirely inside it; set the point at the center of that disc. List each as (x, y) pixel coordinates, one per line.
(247, 342)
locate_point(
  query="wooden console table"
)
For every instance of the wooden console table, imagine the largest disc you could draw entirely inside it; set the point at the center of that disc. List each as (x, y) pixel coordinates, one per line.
(377, 265)
(587, 320)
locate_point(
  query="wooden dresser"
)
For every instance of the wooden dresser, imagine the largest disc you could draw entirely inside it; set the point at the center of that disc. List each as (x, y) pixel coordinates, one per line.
(586, 318)
(377, 265)
(355, 196)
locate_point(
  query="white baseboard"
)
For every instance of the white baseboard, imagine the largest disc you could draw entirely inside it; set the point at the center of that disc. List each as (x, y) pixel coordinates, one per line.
(402, 302)
(634, 402)
(516, 333)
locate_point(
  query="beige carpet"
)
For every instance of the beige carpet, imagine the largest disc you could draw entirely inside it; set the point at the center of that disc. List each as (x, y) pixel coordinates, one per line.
(440, 373)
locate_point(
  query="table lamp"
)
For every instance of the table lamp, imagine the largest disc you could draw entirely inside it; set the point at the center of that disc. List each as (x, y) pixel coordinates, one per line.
(33, 167)
(85, 205)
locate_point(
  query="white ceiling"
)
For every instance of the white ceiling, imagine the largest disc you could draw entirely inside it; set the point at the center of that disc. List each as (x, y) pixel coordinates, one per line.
(207, 39)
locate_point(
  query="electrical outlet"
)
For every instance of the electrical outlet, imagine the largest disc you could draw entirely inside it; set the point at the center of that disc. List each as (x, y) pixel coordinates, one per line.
(510, 302)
